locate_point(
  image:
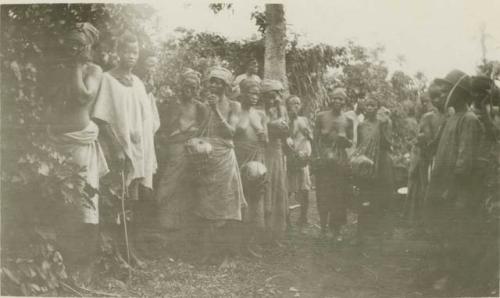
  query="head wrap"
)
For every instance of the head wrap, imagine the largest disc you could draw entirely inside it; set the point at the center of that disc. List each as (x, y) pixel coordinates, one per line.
(338, 93)
(191, 75)
(221, 73)
(247, 84)
(84, 33)
(271, 85)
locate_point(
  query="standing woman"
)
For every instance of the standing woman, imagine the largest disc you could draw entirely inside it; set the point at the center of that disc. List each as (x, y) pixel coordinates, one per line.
(72, 132)
(220, 190)
(250, 141)
(184, 120)
(276, 198)
(332, 138)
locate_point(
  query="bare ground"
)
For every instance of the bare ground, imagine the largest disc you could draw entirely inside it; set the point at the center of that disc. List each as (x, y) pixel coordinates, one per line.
(305, 267)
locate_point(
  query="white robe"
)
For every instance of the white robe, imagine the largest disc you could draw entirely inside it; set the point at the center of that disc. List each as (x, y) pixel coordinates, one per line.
(133, 116)
(84, 150)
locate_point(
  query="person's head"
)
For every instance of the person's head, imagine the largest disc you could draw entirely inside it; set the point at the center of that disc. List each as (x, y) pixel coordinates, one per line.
(271, 91)
(250, 92)
(102, 55)
(293, 105)
(189, 84)
(219, 81)
(437, 95)
(150, 62)
(128, 50)
(79, 40)
(252, 66)
(370, 108)
(337, 98)
(484, 91)
(457, 86)
(425, 103)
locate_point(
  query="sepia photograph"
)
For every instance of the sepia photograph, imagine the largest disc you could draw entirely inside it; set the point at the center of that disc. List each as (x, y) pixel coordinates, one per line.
(250, 148)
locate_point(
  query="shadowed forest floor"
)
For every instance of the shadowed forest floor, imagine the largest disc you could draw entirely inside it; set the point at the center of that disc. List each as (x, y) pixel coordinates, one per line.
(305, 267)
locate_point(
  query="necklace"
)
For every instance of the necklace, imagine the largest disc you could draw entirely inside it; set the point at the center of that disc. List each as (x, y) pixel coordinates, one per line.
(125, 79)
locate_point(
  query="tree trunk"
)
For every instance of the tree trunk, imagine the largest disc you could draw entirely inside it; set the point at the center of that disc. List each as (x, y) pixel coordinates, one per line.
(275, 44)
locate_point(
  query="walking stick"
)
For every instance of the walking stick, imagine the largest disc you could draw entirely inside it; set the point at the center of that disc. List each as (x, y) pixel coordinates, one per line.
(124, 187)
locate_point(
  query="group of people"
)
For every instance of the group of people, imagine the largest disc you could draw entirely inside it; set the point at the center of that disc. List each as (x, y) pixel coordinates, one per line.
(231, 162)
(453, 181)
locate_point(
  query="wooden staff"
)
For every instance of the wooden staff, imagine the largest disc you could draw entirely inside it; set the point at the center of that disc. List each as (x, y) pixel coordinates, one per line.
(124, 188)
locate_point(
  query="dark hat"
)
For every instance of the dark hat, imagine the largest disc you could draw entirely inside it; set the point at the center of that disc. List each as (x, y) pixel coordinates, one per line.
(458, 78)
(481, 83)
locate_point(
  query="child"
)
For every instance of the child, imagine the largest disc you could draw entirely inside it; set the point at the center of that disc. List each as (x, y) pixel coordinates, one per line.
(299, 143)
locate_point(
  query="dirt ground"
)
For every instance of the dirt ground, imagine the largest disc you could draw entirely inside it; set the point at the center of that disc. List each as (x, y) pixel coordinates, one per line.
(304, 267)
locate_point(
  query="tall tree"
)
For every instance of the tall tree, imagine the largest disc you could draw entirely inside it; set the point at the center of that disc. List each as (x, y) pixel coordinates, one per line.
(275, 44)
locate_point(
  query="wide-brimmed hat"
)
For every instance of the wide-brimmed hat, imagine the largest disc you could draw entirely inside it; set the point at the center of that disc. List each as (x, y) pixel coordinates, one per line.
(456, 78)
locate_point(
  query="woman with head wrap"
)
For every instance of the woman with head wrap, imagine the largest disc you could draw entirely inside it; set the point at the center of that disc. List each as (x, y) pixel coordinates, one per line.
(332, 135)
(250, 142)
(73, 133)
(276, 198)
(220, 190)
(183, 120)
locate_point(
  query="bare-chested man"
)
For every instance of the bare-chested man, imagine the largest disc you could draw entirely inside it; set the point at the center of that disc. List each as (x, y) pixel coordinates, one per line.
(332, 138)
(73, 133)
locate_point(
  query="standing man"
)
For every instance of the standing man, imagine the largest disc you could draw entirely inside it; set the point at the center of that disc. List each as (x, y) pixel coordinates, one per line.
(452, 203)
(333, 189)
(299, 143)
(128, 121)
(72, 132)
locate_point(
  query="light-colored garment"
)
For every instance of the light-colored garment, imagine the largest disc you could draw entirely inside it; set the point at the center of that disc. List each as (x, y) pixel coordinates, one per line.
(133, 117)
(84, 150)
